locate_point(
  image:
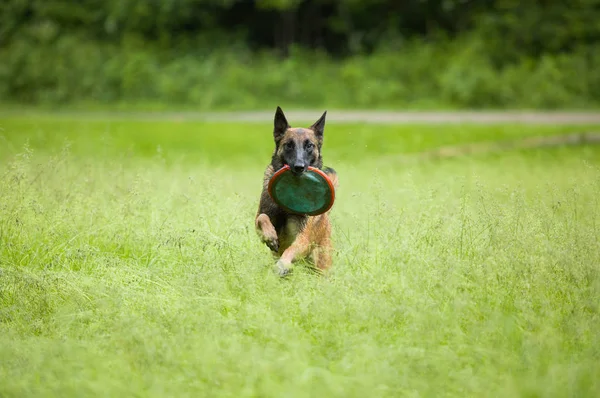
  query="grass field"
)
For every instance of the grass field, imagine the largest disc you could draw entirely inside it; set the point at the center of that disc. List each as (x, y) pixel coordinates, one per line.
(129, 266)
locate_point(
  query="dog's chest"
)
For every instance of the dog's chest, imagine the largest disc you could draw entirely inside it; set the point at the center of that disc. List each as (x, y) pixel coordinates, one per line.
(290, 230)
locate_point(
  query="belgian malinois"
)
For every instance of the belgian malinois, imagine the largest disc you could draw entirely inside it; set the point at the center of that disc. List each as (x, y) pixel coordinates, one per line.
(293, 237)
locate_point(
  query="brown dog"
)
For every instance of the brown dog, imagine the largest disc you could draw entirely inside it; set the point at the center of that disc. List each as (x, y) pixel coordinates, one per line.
(293, 237)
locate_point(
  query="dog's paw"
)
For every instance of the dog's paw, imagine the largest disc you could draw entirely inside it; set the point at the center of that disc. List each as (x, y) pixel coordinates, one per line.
(272, 243)
(283, 269)
(267, 232)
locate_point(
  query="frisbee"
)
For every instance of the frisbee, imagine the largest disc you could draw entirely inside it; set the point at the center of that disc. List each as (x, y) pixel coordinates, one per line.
(310, 193)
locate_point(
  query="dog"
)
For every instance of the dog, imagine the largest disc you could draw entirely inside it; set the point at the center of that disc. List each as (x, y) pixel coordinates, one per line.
(293, 237)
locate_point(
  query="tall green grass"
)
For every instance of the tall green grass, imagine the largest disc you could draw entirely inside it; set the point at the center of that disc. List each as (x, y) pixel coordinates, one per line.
(129, 266)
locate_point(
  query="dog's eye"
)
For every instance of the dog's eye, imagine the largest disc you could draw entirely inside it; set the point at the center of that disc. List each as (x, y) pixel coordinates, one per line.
(289, 145)
(310, 145)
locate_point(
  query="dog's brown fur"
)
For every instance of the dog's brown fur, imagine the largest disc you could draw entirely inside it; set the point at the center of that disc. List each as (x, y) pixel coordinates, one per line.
(293, 237)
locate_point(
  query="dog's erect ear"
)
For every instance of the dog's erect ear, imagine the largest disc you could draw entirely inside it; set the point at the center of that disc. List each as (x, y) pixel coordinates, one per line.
(280, 124)
(319, 126)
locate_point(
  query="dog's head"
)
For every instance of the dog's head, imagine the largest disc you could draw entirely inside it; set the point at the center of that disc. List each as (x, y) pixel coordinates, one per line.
(298, 147)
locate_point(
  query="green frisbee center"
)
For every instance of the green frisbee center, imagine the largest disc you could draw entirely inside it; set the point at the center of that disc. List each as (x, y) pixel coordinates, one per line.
(306, 193)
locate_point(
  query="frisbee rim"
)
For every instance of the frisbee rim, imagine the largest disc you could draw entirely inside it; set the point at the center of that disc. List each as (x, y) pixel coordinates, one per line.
(310, 168)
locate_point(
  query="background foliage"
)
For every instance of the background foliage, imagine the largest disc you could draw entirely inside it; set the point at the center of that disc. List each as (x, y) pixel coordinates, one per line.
(241, 54)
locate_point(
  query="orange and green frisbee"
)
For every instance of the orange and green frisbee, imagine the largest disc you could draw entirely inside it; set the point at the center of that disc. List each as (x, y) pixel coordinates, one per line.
(310, 193)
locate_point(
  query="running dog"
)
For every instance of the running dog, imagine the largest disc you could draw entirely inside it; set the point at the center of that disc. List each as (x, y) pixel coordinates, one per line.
(294, 237)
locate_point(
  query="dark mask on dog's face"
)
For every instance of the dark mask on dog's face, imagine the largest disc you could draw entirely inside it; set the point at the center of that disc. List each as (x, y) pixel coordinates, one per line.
(298, 147)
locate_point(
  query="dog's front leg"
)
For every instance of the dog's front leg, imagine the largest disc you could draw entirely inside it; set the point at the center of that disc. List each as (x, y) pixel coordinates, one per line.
(267, 232)
(299, 249)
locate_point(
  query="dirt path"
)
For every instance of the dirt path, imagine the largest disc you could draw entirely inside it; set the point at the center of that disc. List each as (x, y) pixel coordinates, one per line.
(346, 116)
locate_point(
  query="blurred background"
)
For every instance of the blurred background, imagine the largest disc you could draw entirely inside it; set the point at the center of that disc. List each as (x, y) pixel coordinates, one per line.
(243, 54)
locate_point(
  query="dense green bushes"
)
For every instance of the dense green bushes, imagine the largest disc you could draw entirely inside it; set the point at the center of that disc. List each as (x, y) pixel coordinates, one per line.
(420, 75)
(204, 55)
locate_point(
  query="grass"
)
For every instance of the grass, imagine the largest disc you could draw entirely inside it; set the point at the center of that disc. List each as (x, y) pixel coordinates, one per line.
(129, 266)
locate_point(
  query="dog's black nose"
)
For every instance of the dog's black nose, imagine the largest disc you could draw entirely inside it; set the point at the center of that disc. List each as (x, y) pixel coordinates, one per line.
(298, 168)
